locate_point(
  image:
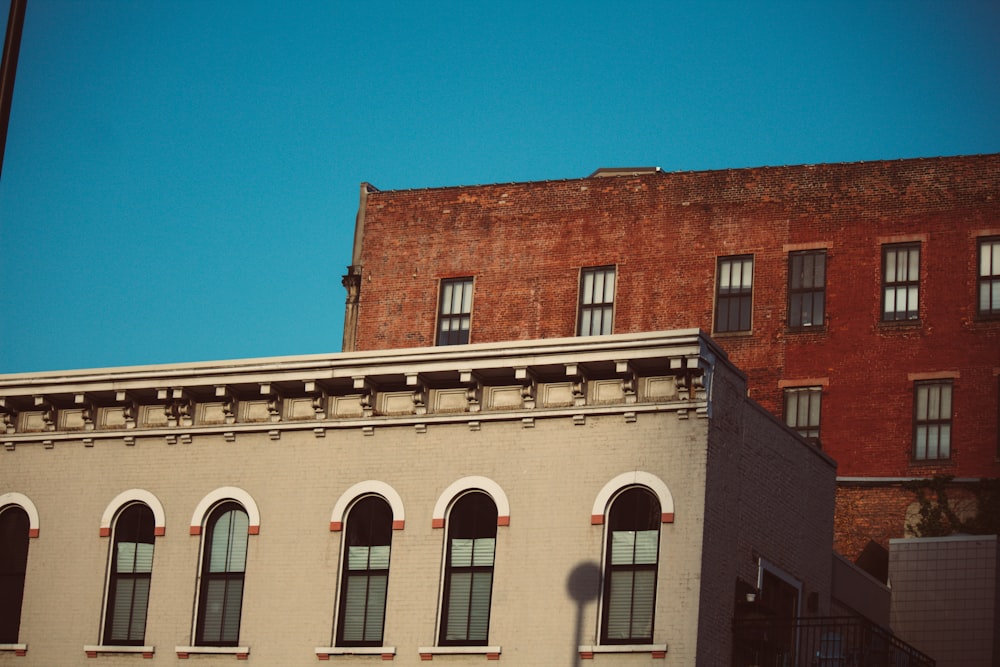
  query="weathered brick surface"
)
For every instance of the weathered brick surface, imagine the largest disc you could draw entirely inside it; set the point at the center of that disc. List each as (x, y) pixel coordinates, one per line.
(524, 244)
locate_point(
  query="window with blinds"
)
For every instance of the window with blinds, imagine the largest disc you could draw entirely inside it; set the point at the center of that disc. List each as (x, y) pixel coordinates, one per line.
(806, 288)
(900, 282)
(630, 568)
(130, 572)
(597, 301)
(468, 580)
(932, 420)
(14, 528)
(734, 293)
(802, 411)
(222, 575)
(365, 575)
(454, 311)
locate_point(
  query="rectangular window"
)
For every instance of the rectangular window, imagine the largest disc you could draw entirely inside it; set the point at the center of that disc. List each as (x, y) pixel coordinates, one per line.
(806, 288)
(597, 301)
(932, 420)
(454, 311)
(988, 282)
(802, 411)
(900, 282)
(733, 293)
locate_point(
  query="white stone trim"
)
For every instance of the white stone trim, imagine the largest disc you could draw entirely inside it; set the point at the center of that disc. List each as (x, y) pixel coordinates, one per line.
(24, 502)
(134, 495)
(459, 650)
(485, 484)
(369, 487)
(226, 493)
(634, 478)
(355, 650)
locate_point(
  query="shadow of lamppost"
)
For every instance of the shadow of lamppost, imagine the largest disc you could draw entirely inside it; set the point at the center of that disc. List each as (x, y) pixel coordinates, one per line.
(583, 585)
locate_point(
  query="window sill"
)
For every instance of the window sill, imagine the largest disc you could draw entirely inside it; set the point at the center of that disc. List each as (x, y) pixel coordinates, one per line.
(655, 650)
(325, 652)
(94, 651)
(732, 334)
(18, 649)
(889, 325)
(241, 652)
(428, 652)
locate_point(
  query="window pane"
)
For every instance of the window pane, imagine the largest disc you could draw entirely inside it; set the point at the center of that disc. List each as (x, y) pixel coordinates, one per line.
(479, 605)
(483, 551)
(353, 610)
(642, 604)
(461, 552)
(622, 547)
(458, 606)
(231, 618)
(619, 606)
(446, 292)
(375, 614)
(646, 546)
(609, 286)
(587, 288)
(122, 605)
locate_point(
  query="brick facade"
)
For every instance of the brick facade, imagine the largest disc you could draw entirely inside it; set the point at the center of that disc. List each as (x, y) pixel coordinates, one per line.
(525, 243)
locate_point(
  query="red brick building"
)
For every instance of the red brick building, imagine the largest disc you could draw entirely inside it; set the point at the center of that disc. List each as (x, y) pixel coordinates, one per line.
(862, 299)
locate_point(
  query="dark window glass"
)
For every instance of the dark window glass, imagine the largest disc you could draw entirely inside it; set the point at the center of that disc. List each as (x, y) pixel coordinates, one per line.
(455, 312)
(130, 572)
(14, 526)
(806, 288)
(597, 301)
(988, 280)
(222, 575)
(365, 577)
(734, 293)
(802, 411)
(468, 574)
(932, 420)
(630, 567)
(900, 282)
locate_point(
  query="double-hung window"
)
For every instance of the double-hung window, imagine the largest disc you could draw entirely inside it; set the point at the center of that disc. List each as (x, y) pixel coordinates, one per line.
(630, 566)
(733, 293)
(14, 531)
(597, 301)
(468, 572)
(806, 288)
(129, 575)
(900, 282)
(223, 567)
(988, 278)
(802, 411)
(454, 311)
(932, 420)
(364, 580)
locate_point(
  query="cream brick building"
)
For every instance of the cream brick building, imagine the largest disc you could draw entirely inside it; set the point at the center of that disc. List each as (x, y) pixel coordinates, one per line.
(548, 434)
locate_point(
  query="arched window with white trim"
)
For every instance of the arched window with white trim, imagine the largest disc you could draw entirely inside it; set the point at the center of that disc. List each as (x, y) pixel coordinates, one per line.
(223, 568)
(631, 562)
(15, 528)
(364, 580)
(129, 576)
(468, 571)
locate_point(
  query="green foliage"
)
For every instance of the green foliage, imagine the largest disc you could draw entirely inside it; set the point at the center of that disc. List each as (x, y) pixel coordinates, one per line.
(941, 516)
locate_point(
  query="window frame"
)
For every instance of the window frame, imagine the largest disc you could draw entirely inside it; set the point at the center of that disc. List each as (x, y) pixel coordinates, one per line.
(13, 570)
(988, 276)
(610, 568)
(897, 284)
(925, 424)
(463, 318)
(481, 524)
(587, 306)
(115, 578)
(350, 533)
(799, 293)
(726, 296)
(227, 576)
(810, 431)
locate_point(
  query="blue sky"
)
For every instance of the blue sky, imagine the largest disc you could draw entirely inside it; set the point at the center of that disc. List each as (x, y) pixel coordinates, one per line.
(181, 178)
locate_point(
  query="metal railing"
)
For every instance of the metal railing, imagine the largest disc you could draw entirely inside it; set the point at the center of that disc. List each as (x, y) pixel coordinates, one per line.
(820, 642)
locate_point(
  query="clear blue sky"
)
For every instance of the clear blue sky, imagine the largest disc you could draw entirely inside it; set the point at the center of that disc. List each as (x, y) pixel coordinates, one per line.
(181, 178)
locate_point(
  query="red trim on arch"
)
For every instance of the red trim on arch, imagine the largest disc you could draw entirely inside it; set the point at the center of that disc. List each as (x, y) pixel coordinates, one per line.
(196, 530)
(105, 532)
(336, 526)
(503, 520)
(159, 531)
(32, 532)
(253, 530)
(398, 525)
(596, 519)
(668, 517)
(437, 523)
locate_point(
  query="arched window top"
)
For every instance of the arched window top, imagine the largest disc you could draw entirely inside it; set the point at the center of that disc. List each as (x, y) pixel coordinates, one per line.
(134, 496)
(635, 478)
(370, 487)
(487, 486)
(24, 503)
(226, 493)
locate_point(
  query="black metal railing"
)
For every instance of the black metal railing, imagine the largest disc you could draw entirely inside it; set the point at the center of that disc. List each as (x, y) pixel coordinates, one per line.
(820, 642)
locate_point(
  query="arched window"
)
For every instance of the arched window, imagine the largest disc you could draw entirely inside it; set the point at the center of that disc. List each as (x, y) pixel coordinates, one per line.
(468, 571)
(630, 566)
(365, 575)
(129, 576)
(14, 528)
(223, 565)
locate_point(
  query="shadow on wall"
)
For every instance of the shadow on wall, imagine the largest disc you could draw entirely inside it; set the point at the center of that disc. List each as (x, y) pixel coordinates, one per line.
(583, 585)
